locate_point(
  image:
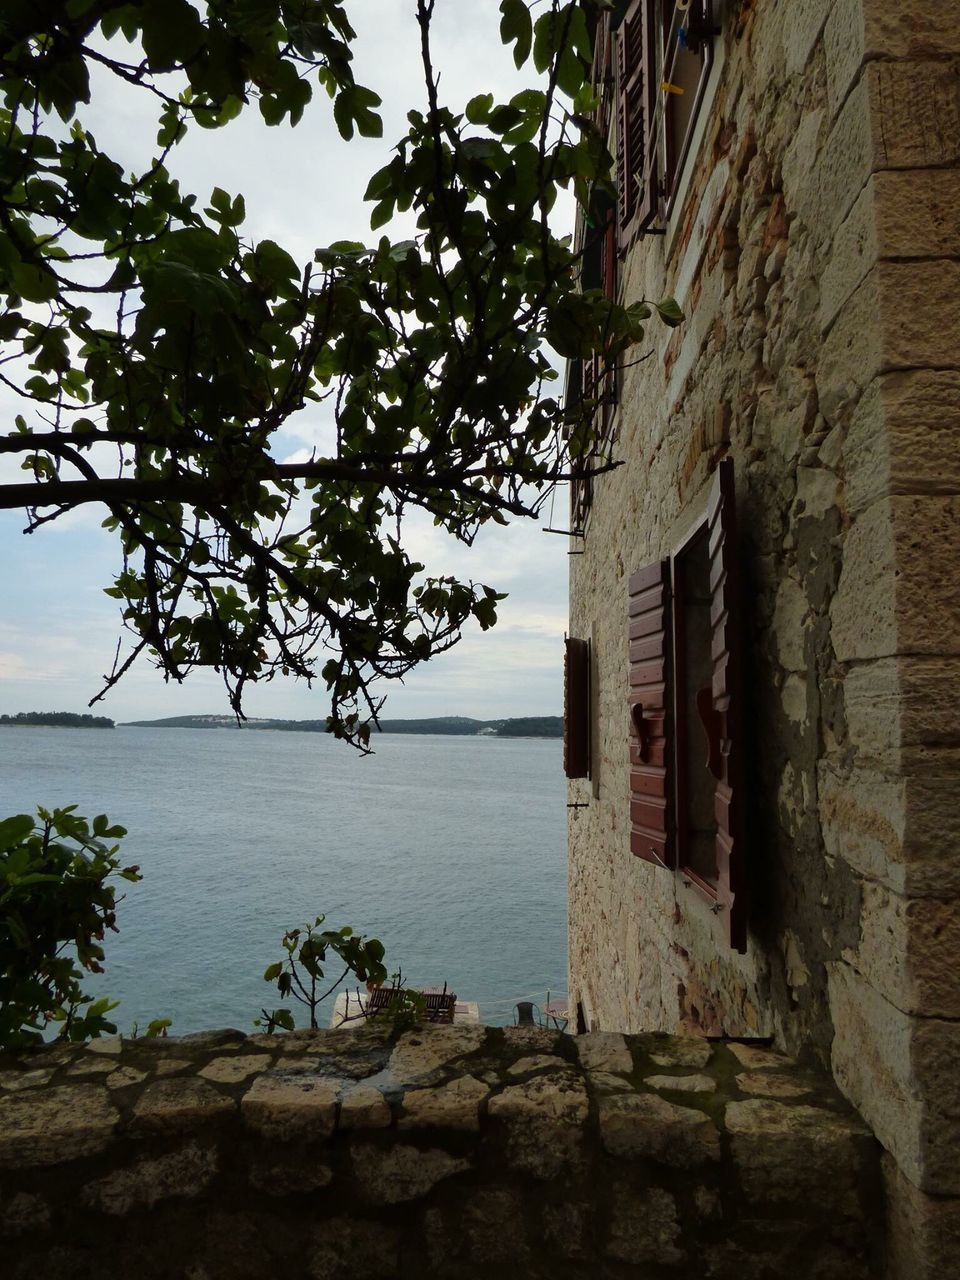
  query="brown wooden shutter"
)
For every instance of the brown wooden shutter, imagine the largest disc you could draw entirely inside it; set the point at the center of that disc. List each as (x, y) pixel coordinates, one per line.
(576, 708)
(651, 716)
(636, 106)
(727, 759)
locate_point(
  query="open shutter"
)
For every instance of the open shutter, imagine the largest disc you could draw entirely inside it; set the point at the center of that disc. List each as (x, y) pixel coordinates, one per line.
(651, 716)
(636, 105)
(576, 708)
(727, 758)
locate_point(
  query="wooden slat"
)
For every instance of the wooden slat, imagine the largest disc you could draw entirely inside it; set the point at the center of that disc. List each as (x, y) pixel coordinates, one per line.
(650, 691)
(731, 887)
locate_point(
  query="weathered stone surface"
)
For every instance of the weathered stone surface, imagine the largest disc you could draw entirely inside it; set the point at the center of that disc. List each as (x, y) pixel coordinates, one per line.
(790, 1152)
(397, 1174)
(105, 1044)
(772, 1084)
(364, 1107)
(87, 1066)
(605, 1082)
(924, 1231)
(346, 1249)
(21, 1212)
(452, 1106)
(48, 1126)
(234, 1069)
(16, 1080)
(645, 1226)
(604, 1051)
(148, 1181)
(531, 1039)
(682, 1051)
(124, 1076)
(178, 1105)
(752, 1055)
(418, 1058)
(682, 1084)
(291, 1106)
(536, 1062)
(544, 1120)
(646, 1125)
(286, 1171)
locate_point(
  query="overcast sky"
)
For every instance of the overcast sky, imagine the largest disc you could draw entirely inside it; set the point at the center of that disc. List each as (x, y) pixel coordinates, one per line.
(303, 188)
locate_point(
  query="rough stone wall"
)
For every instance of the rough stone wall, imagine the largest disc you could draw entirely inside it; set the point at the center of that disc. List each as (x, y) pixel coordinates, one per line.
(458, 1153)
(817, 260)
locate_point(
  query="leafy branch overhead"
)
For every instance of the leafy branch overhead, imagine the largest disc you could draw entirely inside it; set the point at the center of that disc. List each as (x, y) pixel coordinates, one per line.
(157, 349)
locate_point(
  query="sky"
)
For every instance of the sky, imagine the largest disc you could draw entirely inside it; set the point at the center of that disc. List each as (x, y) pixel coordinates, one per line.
(303, 188)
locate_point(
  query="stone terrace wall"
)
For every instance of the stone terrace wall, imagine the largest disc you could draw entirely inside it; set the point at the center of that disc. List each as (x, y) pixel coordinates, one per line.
(449, 1152)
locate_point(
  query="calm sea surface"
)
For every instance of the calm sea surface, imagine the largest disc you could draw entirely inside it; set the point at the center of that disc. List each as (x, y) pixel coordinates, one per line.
(451, 850)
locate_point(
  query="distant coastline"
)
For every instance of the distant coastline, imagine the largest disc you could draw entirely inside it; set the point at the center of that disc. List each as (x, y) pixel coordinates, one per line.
(56, 720)
(464, 726)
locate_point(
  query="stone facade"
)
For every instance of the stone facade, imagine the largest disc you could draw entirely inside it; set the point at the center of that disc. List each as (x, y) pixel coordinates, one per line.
(815, 250)
(450, 1153)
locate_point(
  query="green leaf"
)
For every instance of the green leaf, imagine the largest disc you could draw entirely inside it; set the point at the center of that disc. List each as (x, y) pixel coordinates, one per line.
(669, 312)
(14, 830)
(516, 27)
(478, 109)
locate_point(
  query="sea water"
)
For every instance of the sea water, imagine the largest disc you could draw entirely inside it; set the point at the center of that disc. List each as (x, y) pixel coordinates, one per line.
(451, 850)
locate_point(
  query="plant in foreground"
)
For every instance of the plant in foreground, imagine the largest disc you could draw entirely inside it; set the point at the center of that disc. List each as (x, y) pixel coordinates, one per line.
(57, 900)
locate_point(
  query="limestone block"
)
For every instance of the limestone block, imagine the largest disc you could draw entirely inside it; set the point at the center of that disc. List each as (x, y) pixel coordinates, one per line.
(863, 611)
(492, 1229)
(931, 843)
(679, 1051)
(682, 1084)
(758, 1057)
(536, 1062)
(644, 1125)
(351, 1249)
(233, 1070)
(923, 1232)
(871, 695)
(839, 167)
(290, 1170)
(604, 1051)
(420, 1055)
(124, 1076)
(644, 1226)
(605, 1082)
(23, 1212)
(915, 110)
(15, 1079)
(143, 1184)
(105, 1044)
(844, 40)
(902, 437)
(772, 1084)
(544, 1119)
(917, 213)
(862, 817)
(531, 1039)
(291, 1107)
(853, 253)
(793, 1153)
(177, 1105)
(395, 1175)
(790, 623)
(899, 1071)
(452, 1106)
(927, 531)
(364, 1107)
(87, 1066)
(53, 1125)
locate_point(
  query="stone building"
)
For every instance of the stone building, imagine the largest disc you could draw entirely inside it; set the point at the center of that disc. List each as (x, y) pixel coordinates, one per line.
(764, 821)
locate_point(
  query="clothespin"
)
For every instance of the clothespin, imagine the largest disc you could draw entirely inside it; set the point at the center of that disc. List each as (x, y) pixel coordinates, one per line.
(667, 87)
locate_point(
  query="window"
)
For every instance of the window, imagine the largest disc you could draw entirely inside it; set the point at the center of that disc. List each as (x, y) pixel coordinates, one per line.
(685, 705)
(664, 55)
(576, 708)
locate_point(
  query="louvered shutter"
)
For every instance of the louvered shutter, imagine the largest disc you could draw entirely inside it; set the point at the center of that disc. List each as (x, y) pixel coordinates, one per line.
(636, 145)
(651, 716)
(726, 754)
(576, 708)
